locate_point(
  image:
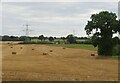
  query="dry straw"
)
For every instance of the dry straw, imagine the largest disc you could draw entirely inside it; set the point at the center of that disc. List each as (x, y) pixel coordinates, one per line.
(51, 50)
(45, 53)
(14, 53)
(64, 48)
(92, 54)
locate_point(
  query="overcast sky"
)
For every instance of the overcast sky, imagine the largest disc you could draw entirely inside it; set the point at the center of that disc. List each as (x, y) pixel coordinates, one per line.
(51, 18)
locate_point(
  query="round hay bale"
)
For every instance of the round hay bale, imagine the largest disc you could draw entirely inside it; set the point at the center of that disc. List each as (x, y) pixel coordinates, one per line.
(33, 49)
(51, 50)
(92, 54)
(14, 53)
(45, 53)
(64, 48)
(11, 47)
(76, 79)
(21, 47)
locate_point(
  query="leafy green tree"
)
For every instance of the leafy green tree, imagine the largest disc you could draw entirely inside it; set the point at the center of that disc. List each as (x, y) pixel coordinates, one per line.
(45, 38)
(22, 38)
(51, 39)
(55, 38)
(41, 37)
(102, 26)
(5, 38)
(14, 38)
(63, 38)
(71, 39)
(118, 28)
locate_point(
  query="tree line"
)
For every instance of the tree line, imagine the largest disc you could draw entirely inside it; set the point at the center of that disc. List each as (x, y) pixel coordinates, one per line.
(70, 38)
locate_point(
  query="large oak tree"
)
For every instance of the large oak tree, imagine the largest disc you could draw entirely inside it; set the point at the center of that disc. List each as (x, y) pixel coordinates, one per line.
(102, 26)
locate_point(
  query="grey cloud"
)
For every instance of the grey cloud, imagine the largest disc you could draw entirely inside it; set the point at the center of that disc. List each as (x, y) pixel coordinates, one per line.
(49, 18)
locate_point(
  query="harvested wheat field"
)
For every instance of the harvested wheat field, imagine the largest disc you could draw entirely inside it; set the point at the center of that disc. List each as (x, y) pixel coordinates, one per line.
(42, 62)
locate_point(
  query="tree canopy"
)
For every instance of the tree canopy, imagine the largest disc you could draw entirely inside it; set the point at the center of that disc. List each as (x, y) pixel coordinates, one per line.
(102, 26)
(41, 37)
(71, 39)
(51, 39)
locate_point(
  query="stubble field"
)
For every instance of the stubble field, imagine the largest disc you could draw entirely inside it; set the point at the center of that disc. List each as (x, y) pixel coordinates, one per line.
(41, 62)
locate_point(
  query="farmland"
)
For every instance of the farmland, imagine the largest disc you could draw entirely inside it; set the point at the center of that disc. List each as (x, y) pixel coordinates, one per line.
(34, 62)
(78, 46)
(60, 41)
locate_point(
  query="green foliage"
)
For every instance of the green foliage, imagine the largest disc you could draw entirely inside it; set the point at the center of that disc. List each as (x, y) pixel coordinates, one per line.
(10, 38)
(60, 41)
(51, 39)
(22, 38)
(77, 46)
(71, 39)
(41, 37)
(116, 50)
(105, 46)
(116, 41)
(102, 26)
(57, 40)
(95, 40)
(116, 57)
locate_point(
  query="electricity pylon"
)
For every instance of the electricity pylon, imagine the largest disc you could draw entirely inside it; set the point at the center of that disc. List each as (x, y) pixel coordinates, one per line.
(27, 31)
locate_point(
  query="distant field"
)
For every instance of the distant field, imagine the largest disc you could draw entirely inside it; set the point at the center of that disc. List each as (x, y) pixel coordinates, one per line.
(57, 40)
(81, 46)
(37, 40)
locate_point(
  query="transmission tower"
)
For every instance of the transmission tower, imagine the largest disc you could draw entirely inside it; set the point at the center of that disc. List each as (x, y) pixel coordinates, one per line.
(27, 30)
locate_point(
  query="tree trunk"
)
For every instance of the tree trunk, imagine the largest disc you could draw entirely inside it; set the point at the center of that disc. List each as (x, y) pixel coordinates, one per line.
(105, 46)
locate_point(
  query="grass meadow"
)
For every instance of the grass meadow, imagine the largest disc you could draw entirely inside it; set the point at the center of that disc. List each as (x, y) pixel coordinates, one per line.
(78, 46)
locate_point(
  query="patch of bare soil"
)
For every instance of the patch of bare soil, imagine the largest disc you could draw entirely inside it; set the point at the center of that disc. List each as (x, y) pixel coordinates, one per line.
(56, 65)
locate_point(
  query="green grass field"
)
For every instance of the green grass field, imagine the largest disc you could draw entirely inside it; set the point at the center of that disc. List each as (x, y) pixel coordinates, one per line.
(116, 57)
(81, 46)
